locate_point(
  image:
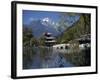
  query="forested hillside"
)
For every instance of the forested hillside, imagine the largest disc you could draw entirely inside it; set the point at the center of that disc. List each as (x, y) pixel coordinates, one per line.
(80, 27)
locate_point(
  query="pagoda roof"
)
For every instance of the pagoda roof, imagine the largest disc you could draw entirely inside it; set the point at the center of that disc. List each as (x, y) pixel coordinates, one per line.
(47, 33)
(50, 41)
(49, 37)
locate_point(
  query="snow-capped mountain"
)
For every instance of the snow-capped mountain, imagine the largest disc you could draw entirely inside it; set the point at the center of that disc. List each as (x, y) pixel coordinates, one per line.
(50, 23)
(47, 21)
(41, 26)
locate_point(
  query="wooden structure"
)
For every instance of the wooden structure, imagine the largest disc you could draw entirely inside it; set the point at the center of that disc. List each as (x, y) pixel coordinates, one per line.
(49, 39)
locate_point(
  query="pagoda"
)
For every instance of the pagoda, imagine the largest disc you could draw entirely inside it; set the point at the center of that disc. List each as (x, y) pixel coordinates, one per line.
(49, 39)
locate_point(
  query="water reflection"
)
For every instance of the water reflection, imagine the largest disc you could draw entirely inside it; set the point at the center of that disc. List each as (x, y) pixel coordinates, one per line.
(44, 57)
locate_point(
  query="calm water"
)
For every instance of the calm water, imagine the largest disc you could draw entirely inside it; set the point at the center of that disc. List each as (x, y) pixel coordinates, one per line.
(40, 57)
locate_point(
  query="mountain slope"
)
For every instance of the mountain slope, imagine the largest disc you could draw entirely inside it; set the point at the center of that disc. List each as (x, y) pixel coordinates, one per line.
(38, 28)
(81, 27)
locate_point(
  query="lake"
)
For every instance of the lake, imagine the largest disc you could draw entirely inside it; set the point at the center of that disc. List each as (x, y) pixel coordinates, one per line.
(43, 57)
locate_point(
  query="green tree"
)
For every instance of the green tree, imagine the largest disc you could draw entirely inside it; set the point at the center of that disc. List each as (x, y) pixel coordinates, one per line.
(80, 27)
(42, 40)
(27, 35)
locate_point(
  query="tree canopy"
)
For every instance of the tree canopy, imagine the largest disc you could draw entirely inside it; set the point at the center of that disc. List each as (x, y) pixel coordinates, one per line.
(80, 27)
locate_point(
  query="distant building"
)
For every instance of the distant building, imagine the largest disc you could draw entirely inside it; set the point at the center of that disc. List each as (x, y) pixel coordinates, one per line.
(84, 41)
(63, 48)
(49, 39)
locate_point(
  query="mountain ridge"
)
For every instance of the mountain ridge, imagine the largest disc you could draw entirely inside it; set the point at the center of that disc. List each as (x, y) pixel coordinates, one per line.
(39, 27)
